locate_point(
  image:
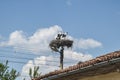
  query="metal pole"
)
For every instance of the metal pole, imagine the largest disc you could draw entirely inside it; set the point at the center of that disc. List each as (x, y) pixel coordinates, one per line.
(61, 57)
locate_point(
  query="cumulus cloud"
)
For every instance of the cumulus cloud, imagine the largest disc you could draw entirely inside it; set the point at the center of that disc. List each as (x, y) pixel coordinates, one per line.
(38, 42)
(46, 64)
(87, 43)
(17, 38)
(78, 56)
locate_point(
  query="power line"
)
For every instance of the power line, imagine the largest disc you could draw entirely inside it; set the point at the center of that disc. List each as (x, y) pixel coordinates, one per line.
(23, 53)
(16, 52)
(7, 50)
(30, 50)
(19, 62)
(25, 58)
(3, 50)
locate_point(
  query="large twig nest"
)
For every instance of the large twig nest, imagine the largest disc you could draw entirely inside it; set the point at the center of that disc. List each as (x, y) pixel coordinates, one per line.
(56, 44)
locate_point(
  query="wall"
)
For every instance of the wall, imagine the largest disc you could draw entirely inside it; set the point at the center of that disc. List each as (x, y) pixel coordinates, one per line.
(109, 76)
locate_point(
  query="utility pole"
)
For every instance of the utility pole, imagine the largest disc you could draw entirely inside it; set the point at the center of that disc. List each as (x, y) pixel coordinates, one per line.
(58, 45)
(61, 57)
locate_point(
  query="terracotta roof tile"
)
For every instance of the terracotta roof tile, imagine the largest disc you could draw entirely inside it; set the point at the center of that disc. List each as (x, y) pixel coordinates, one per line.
(99, 59)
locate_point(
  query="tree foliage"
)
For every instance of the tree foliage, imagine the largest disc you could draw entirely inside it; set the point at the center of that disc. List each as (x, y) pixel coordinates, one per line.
(6, 74)
(34, 73)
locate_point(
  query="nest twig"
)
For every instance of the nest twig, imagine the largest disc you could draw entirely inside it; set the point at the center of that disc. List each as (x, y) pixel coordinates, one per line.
(56, 44)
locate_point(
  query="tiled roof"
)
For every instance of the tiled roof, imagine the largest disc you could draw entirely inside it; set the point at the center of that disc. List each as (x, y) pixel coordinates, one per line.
(97, 60)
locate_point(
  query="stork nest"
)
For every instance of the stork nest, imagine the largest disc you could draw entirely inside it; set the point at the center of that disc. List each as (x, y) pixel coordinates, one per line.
(56, 44)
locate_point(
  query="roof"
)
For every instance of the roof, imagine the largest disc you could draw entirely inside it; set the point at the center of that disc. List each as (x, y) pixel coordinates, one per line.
(112, 57)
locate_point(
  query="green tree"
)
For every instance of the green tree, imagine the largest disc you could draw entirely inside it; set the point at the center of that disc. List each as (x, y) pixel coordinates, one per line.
(6, 74)
(34, 73)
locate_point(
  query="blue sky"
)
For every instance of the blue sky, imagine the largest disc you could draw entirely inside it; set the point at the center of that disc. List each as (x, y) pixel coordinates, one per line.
(86, 19)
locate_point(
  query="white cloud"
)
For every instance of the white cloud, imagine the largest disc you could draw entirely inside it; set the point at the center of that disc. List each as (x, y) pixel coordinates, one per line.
(17, 38)
(78, 56)
(38, 42)
(46, 64)
(87, 43)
